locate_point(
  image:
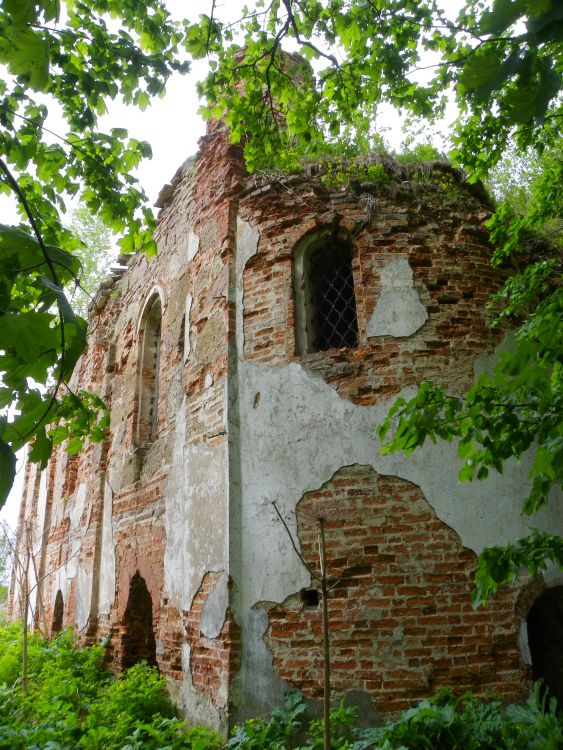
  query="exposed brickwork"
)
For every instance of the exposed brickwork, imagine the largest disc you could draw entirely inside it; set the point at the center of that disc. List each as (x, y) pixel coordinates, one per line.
(439, 229)
(173, 637)
(213, 661)
(401, 619)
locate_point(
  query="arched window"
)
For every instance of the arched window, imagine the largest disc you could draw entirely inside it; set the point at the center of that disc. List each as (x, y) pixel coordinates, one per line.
(325, 315)
(149, 366)
(58, 614)
(545, 638)
(138, 635)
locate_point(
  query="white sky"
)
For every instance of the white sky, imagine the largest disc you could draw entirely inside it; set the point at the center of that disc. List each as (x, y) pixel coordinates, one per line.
(172, 126)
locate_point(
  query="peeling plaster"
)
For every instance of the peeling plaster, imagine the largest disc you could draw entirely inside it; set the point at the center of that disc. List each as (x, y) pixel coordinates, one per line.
(399, 311)
(553, 576)
(214, 609)
(193, 245)
(195, 499)
(42, 499)
(201, 708)
(83, 593)
(487, 362)
(523, 644)
(187, 327)
(299, 434)
(76, 530)
(107, 556)
(82, 569)
(257, 681)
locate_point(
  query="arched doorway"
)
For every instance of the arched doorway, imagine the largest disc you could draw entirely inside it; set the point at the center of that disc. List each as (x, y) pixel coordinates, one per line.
(138, 640)
(545, 638)
(58, 614)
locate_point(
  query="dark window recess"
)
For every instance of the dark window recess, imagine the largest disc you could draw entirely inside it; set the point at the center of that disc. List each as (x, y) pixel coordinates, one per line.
(333, 319)
(545, 638)
(310, 597)
(58, 613)
(147, 417)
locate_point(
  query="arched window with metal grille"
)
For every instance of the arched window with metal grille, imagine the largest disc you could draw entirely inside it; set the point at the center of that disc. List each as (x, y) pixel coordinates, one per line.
(325, 309)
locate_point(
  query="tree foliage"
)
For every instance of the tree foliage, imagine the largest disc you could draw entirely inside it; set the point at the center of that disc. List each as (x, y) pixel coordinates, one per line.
(77, 67)
(95, 256)
(506, 77)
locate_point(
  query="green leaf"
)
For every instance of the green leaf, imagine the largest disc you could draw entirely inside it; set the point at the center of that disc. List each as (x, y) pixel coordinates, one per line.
(26, 53)
(543, 462)
(7, 471)
(41, 448)
(29, 334)
(20, 12)
(74, 446)
(503, 14)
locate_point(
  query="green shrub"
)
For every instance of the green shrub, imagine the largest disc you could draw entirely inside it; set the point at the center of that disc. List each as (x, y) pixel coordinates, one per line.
(138, 697)
(448, 722)
(172, 734)
(275, 733)
(11, 653)
(74, 702)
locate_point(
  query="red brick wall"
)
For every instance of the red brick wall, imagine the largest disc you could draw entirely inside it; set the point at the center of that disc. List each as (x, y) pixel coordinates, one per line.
(401, 619)
(439, 229)
(213, 661)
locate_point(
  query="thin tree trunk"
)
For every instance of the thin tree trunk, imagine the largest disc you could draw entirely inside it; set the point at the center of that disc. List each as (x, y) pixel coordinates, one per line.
(25, 588)
(326, 639)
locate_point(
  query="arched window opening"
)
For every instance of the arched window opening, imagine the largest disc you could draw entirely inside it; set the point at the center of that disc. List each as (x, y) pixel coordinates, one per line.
(58, 614)
(182, 338)
(149, 366)
(325, 302)
(545, 638)
(138, 635)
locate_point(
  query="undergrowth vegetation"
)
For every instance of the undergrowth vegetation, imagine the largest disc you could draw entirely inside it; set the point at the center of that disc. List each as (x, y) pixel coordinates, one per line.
(447, 722)
(73, 701)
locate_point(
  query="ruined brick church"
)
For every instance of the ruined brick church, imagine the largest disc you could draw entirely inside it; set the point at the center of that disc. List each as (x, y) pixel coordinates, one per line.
(248, 364)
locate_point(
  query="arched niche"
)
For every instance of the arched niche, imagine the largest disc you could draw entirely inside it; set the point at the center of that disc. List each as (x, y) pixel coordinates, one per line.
(138, 640)
(58, 614)
(148, 376)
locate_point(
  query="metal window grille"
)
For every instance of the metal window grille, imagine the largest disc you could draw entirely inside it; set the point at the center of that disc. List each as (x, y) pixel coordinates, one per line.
(334, 319)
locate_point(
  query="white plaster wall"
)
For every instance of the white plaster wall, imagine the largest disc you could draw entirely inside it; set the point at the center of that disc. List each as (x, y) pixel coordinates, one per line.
(42, 500)
(399, 311)
(187, 327)
(195, 515)
(107, 556)
(296, 438)
(75, 567)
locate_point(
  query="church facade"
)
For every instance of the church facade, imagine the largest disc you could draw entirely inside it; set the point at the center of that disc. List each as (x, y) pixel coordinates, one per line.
(245, 368)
